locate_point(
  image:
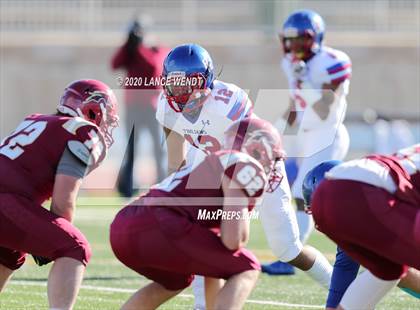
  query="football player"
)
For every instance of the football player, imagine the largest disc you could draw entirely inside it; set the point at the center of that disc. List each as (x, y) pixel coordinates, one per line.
(195, 118)
(382, 195)
(319, 78)
(195, 222)
(48, 156)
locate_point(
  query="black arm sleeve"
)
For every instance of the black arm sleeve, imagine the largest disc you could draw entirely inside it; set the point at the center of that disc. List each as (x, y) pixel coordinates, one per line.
(70, 165)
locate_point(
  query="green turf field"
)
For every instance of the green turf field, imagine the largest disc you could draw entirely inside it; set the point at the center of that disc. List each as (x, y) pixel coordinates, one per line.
(108, 284)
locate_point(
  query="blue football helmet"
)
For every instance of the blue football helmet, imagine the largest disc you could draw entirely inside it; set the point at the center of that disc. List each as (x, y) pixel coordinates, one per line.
(302, 34)
(313, 178)
(189, 74)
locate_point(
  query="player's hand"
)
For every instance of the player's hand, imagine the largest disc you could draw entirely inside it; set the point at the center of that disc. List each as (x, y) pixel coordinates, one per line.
(40, 261)
(306, 97)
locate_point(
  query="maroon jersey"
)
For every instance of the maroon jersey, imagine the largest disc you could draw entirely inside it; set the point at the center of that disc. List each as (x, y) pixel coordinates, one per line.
(404, 168)
(198, 191)
(29, 156)
(409, 158)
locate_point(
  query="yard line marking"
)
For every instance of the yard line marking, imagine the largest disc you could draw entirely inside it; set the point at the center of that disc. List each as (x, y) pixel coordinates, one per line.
(45, 295)
(127, 290)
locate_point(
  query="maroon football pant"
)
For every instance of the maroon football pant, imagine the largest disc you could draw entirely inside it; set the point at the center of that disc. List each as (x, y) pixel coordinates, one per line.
(169, 249)
(28, 228)
(370, 225)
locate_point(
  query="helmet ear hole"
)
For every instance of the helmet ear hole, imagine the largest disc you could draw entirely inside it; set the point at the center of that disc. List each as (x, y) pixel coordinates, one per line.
(256, 154)
(92, 115)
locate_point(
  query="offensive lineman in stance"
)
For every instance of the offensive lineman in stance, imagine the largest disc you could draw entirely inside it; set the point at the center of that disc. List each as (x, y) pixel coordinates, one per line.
(168, 235)
(382, 195)
(48, 156)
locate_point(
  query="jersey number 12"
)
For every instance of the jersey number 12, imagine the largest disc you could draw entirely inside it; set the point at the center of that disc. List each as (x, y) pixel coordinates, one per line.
(26, 133)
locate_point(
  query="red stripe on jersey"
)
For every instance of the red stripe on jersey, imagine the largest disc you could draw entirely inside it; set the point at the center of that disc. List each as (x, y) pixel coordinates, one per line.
(341, 79)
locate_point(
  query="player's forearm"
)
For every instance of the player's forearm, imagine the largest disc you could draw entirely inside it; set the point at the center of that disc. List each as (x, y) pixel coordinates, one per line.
(323, 106)
(175, 145)
(65, 210)
(290, 114)
(235, 233)
(64, 196)
(234, 228)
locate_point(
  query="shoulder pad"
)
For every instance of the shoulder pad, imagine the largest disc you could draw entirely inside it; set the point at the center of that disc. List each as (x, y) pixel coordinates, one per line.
(74, 123)
(89, 146)
(332, 66)
(81, 151)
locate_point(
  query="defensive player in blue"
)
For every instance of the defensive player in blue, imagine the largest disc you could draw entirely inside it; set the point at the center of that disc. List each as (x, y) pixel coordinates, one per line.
(319, 79)
(345, 268)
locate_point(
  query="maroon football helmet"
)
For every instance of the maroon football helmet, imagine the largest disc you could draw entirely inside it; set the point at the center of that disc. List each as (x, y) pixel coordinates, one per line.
(261, 140)
(93, 101)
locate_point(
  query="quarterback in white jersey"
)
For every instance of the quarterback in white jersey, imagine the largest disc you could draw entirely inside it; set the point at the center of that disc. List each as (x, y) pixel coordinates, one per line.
(319, 79)
(200, 116)
(224, 104)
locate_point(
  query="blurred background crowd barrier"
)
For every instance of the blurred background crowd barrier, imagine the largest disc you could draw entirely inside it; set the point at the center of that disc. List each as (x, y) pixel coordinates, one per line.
(46, 44)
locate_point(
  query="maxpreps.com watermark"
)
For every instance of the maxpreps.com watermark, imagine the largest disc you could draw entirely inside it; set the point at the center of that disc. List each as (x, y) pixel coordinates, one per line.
(207, 215)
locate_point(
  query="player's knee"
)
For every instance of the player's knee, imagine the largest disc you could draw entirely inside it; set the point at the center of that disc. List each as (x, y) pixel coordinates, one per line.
(305, 258)
(289, 252)
(248, 277)
(177, 283)
(82, 253)
(79, 249)
(12, 260)
(251, 276)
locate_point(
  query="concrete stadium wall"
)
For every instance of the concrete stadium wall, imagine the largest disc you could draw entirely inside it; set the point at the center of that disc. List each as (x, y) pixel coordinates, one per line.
(33, 75)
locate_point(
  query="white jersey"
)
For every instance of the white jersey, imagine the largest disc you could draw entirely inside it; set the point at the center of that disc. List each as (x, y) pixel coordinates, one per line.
(363, 170)
(225, 104)
(328, 66)
(371, 172)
